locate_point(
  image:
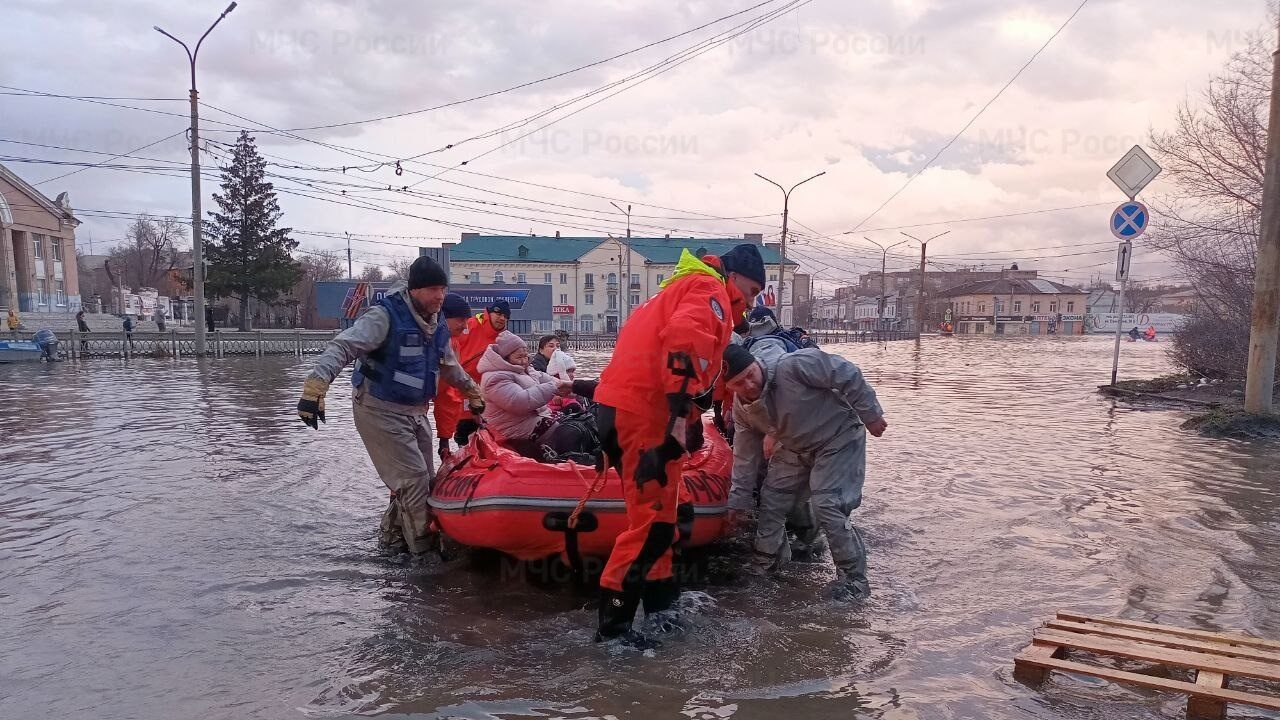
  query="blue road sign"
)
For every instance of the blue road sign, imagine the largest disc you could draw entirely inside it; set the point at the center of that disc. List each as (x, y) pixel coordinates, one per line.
(1129, 220)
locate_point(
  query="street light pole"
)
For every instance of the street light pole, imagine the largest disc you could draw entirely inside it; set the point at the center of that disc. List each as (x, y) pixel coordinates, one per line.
(197, 237)
(920, 307)
(627, 212)
(884, 257)
(782, 256)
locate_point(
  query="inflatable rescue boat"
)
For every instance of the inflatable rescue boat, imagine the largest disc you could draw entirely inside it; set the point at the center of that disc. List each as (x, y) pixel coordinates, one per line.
(487, 496)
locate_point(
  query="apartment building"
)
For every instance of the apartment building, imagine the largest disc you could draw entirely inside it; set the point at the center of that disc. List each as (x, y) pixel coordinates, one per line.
(37, 249)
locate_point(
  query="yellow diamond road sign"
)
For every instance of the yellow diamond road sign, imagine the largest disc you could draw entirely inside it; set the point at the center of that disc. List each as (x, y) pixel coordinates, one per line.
(1134, 171)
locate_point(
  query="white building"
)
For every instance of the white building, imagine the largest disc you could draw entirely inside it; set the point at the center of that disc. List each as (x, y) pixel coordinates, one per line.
(595, 280)
(866, 310)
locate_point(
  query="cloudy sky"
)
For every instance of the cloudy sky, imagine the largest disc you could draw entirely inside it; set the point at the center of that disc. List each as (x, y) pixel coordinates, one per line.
(866, 91)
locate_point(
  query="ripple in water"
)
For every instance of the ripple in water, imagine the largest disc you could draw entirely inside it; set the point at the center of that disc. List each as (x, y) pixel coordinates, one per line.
(175, 543)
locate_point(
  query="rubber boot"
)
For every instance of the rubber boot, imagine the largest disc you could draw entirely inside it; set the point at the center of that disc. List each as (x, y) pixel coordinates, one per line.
(661, 600)
(617, 612)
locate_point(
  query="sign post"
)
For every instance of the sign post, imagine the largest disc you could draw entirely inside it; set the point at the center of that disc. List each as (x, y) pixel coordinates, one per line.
(1131, 174)
(1123, 254)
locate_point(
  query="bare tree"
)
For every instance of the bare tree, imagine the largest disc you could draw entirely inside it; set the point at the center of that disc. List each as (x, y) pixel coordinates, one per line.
(149, 253)
(316, 267)
(371, 273)
(1215, 155)
(398, 269)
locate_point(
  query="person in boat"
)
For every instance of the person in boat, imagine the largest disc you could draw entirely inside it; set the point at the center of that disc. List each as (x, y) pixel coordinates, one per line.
(819, 408)
(481, 331)
(547, 346)
(667, 354)
(447, 406)
(399, 346)
(518, 396)
(1149, 334)
(1134, 334)
(563, 367)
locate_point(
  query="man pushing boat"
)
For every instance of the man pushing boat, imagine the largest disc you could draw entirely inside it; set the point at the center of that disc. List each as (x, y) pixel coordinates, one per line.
(668, 352)
(400, 346)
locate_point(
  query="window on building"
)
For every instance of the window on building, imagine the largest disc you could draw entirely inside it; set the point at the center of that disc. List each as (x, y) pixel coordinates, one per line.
(60, 288)
(980, 327)
(635, 299)
(42, 291)
(55, 244)
(613, 279)
(564, 280)
(1053, 307)
(1017, 306)
(635, 280)
(520, 278)
(590, 280)
(497, 277)
(567, 325)
(589, 299)
(1071, 306)
(586, 325)
(475, 277)
(523, 251)
(659, 278)
(546, 278)
(773, 277)
(613, 302)
(982, 307)
(564, 298)
(38, 241)
(1035, 306)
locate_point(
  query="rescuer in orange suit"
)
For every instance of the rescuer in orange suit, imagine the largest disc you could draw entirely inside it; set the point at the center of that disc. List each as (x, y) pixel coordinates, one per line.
(481, 332)
(448, 401)
(668, 353)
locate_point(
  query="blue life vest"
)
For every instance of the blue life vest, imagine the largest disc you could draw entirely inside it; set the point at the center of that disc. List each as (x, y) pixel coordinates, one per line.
(403, 369)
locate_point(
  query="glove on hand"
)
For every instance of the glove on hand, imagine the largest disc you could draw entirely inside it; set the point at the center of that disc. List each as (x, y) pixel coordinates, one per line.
(311, 406)
(653, 462)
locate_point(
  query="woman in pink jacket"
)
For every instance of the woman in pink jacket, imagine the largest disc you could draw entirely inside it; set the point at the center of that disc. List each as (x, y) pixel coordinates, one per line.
(516, 395)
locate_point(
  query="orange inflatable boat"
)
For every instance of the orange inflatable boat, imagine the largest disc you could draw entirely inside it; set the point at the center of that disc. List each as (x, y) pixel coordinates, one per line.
(488, 496)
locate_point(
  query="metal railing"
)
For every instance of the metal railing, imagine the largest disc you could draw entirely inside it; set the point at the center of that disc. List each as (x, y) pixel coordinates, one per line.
(178, 344)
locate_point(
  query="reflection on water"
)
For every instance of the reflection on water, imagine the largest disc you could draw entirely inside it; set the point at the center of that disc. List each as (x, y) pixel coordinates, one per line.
(173, 542)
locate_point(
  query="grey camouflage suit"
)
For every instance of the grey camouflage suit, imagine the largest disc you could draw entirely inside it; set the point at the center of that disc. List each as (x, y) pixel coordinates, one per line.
(815, 405)
(397, 437)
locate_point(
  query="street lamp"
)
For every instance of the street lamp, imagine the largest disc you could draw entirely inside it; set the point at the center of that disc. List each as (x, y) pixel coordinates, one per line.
(782, 256)
(920, 309)
(626, 212)
(197, 237)
(884, 256)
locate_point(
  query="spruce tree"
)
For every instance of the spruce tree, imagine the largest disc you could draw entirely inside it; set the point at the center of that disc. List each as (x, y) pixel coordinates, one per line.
(248, 255)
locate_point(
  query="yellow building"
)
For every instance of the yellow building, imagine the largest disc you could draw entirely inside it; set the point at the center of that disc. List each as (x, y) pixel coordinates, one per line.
(1015, 306)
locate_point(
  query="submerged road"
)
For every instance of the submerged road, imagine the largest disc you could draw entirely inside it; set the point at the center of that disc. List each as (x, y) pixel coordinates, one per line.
(174, 543)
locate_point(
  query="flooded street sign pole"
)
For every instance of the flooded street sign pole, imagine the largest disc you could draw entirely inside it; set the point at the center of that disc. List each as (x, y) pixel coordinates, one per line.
(1131, 174)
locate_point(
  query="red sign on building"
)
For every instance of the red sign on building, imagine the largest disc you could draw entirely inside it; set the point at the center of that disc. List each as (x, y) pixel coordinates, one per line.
(561, 309)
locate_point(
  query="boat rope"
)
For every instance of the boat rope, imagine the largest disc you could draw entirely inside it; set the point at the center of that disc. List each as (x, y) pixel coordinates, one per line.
(592, 489)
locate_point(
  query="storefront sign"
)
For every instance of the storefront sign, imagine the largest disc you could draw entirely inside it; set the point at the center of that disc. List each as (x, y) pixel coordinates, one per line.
(561, 309)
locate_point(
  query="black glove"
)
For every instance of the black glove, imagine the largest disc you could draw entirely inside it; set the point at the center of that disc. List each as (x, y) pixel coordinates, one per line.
(653, 462)
(444, 449)
(678, 403)
(693, 436)
(585, 388)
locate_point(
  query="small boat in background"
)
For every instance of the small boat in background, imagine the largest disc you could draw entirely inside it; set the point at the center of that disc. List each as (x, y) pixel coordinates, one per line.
(19, 351)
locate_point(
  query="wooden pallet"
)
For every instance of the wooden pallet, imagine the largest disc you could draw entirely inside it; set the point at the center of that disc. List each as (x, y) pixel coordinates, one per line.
(1214, 657)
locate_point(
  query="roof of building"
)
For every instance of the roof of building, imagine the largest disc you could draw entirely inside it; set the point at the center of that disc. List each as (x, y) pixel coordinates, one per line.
(60, 208)
(660, 251)
(1018, 286)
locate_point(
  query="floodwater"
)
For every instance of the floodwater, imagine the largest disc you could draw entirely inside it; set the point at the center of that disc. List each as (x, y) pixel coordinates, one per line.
(175, 543)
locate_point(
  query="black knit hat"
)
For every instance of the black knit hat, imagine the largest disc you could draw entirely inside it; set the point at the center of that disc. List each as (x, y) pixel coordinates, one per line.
(745, 259)
(455, 306)
(501, 307)
(425, 272)
(736, 360)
